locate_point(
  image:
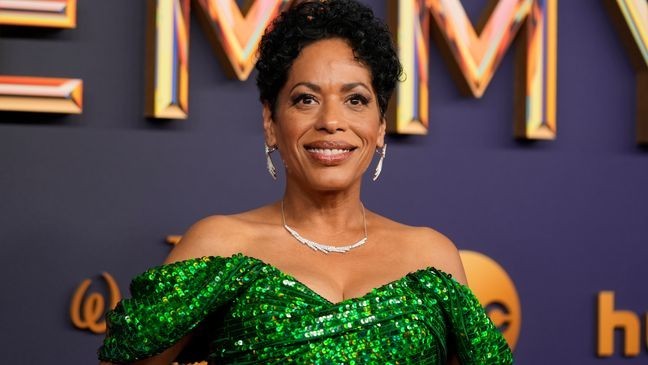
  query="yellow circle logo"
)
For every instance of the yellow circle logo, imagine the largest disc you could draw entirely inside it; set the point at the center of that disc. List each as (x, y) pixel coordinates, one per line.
(496, 292)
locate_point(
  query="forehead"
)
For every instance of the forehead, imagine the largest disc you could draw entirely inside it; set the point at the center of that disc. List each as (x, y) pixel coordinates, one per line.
(328, 62)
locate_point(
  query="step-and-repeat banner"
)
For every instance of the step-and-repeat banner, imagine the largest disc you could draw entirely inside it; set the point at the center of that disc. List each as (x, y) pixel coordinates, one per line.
(520, 131)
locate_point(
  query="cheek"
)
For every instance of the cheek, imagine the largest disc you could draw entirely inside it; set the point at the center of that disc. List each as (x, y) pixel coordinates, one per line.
(289, 142)
(372, 134)
(289, 146)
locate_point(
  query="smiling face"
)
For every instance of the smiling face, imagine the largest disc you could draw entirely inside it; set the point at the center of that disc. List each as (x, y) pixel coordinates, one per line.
(326, 122)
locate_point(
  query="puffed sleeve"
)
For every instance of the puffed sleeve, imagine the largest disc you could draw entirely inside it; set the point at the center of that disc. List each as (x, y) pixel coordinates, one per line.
(476, 339)
(167, 303)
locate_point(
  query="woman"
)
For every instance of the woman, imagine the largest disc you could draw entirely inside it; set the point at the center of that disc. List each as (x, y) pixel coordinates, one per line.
(315, 277)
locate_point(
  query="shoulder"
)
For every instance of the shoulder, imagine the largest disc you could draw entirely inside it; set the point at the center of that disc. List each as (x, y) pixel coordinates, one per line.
(438, 251)
(441, 252)
(426, 247)
(217, 235)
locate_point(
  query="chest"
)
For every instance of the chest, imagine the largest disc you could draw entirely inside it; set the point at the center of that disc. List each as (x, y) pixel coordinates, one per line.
(277, 314)
(339, 277)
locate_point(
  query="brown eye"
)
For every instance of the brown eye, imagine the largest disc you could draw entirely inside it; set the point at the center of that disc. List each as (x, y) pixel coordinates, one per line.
(305, 99)
(357, 100)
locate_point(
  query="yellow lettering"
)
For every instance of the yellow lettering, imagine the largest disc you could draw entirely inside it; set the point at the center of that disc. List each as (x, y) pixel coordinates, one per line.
(86, 314)
(610, 319)
(167, 59)
(233, 35)
(173, 239)
(40, 94)
(39, 13)
(499, 314)
(631, 19)
(474, 55)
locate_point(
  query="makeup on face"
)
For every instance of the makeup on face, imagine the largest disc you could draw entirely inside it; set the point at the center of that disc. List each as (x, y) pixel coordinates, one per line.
(327, 121)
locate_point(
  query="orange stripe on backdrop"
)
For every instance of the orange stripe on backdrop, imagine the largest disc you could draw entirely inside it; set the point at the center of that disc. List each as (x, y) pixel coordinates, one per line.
(39, 13)
(167, 66)
(40, 94)
(37, 94)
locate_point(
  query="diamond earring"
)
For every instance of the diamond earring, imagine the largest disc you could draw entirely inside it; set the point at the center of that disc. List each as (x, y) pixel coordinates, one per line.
(382, 152)
(271, 168)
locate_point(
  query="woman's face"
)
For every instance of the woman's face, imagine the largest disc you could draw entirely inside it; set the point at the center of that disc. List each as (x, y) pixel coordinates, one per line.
(327, 122)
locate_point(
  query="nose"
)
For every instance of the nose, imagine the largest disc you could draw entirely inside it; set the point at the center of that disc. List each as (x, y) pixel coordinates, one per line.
(330, 118)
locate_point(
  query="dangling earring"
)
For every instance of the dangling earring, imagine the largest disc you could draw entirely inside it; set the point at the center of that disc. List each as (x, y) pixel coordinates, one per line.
(271, 168)
(383, 152)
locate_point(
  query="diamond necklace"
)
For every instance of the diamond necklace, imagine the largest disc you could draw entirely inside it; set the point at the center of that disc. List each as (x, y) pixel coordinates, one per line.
(322, 247)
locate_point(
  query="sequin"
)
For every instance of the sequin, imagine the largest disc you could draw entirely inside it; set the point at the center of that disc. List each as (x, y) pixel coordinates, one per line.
(265, 316)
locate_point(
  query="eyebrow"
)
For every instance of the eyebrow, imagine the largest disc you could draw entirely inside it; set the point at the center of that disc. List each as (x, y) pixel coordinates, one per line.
(353, 85)
(309, 85)
(345, 87)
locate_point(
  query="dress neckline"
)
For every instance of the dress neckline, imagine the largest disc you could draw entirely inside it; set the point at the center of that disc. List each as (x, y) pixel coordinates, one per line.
(369, 294)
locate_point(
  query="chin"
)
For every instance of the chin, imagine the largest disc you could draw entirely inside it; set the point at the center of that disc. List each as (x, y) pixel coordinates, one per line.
(333, 183)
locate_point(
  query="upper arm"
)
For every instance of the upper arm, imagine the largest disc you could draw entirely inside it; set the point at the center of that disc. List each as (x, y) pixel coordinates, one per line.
(207, 237)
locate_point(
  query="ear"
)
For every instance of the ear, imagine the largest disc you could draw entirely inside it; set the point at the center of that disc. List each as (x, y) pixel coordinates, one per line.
(269, 126)
(380, 140)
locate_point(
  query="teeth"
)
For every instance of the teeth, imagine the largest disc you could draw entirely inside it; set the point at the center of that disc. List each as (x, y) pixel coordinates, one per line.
(327, 151)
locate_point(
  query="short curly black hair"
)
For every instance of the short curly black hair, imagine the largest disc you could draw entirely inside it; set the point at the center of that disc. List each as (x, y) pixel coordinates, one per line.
(309, 21)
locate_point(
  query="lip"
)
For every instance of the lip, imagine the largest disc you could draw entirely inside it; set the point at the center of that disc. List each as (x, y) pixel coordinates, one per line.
(329, 153)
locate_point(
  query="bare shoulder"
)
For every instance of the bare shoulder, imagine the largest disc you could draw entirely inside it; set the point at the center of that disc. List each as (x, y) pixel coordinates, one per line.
(217, 235)
(427, 247)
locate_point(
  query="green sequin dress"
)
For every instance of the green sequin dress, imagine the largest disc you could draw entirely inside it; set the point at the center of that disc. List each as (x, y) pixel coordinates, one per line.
(245, 311)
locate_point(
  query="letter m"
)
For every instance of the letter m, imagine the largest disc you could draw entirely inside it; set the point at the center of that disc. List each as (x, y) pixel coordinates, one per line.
(233, 32)
(474, 54)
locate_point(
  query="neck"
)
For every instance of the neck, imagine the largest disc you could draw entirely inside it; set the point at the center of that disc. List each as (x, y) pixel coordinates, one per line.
(334, 212)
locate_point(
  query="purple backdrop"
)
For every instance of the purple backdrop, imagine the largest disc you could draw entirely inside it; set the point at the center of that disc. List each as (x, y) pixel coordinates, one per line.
(100, 191)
